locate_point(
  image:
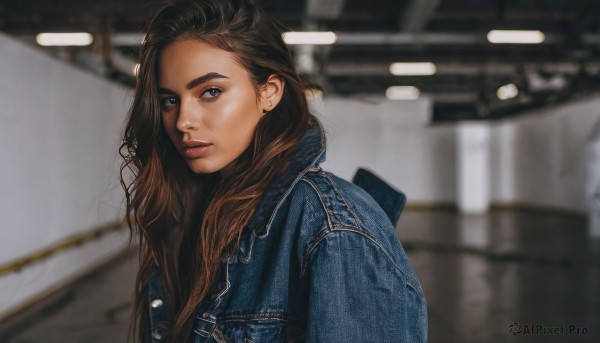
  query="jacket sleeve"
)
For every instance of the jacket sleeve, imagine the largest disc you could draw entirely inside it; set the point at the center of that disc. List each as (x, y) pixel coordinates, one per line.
(358, 293)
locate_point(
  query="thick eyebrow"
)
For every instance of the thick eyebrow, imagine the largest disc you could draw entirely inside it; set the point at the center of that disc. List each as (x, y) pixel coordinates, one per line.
(200, 80)
(195, 82)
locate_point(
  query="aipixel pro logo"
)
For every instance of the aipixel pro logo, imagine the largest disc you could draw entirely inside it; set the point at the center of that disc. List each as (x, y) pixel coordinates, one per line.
(545, 330)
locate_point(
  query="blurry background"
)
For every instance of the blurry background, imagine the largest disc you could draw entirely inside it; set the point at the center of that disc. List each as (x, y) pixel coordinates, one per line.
(486, 113)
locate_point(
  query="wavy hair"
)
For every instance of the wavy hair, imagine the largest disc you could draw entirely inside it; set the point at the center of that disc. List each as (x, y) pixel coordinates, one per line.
(187, 223)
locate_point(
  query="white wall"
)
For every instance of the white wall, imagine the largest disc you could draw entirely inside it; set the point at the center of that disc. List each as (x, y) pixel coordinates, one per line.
(536, 158)
(59, 132)
(540, 157)
(393, 139)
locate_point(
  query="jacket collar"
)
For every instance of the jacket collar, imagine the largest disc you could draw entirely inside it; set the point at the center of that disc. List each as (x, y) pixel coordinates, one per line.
(309, 153)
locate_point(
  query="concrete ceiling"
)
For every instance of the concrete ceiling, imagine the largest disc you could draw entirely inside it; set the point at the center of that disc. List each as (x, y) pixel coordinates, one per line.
(372, 35)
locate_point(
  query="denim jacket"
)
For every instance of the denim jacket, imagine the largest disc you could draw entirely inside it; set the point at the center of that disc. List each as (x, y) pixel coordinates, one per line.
(318, 262)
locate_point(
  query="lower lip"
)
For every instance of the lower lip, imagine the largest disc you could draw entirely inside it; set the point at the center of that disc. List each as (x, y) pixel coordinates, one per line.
(197, 152)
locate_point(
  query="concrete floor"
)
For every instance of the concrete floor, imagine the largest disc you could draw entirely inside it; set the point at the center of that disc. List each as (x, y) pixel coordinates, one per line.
(481, 274)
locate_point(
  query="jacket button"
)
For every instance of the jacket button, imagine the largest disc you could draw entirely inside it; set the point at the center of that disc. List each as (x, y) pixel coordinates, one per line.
(156, 303)
(156, 334)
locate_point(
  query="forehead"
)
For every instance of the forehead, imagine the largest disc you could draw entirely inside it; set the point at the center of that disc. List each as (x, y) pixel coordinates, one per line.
(182, 61)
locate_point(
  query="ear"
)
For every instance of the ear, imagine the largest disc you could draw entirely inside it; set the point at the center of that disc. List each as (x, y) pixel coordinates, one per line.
(271, 92)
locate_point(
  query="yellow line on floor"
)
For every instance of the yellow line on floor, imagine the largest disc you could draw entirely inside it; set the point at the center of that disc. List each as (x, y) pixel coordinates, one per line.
(66, 244)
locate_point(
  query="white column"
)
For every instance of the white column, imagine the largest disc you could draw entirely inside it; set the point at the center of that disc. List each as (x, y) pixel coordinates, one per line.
(593, 182)
(473, 167)
(305, 59)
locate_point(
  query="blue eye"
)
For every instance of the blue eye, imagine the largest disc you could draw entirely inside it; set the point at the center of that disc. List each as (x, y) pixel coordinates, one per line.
(168, 102)
(211, 93)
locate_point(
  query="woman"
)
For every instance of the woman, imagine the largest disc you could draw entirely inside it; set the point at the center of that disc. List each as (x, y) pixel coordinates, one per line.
(243, 237)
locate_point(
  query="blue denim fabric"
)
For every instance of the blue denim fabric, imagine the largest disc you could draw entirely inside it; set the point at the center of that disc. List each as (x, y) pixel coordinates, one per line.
(390, 200)
(319, 262)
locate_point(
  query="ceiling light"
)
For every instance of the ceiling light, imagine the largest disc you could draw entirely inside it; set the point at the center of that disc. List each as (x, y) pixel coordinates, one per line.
(412, 68)
(508, 91)
(309, 38)
(515, 36)
(402, 93)
(64, 39)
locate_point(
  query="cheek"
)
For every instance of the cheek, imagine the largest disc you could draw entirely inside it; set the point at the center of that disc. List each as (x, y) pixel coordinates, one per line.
(237, 117)
(169, 125)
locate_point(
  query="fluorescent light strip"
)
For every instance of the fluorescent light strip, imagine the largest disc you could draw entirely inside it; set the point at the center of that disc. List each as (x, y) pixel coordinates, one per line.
(64, 39)
(402, 93)
(309, 38)
(508, 91)
(412, 68)
(515, 36)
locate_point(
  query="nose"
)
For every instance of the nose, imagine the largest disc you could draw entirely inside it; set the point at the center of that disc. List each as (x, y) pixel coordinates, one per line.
(189, 116)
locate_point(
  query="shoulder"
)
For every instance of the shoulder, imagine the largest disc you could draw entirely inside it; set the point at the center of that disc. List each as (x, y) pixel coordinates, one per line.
(332, 200)
(344, 204)
(326, 207)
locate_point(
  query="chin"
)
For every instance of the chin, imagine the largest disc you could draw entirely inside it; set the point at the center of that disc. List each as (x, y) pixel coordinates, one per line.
(200, 167)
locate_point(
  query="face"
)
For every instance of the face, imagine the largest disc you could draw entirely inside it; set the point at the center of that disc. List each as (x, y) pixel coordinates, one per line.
(209, 104)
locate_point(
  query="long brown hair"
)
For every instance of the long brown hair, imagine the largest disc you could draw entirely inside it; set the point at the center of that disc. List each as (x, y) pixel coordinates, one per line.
(187, 223)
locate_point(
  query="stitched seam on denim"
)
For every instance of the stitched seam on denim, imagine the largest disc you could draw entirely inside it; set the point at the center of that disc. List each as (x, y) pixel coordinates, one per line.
(338, 196)
(311, 246)
(254, 314)
(251, 245)
(341, 197)
(406, 277)
(259, 316)
(331, 217)
(321, 200)
(222, 293)
(205, 333)
(261, 320)
(287, 193)
(219, 337)
(202, 333)
(416, 289)
(364, 234)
